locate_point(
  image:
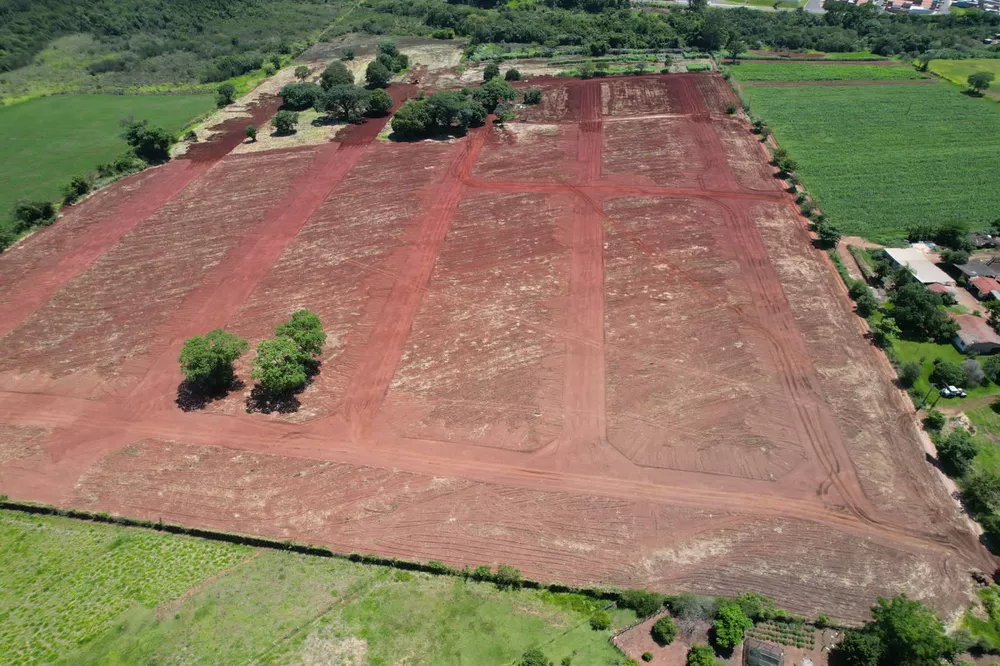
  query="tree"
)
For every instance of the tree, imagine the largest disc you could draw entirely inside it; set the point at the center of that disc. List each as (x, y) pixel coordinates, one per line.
(533, 96)
(77, 187)
(883, 332)
(829, 234)
(956, 452)
(336, 74)
(491, 72)
(643, 602)
(924, 60)
(278, 366)
(494, 92)
(151, 144)
(226, 94)
(533, 657)
(447, 104)
(865, 304)
(388, 47)
(946, 373)
(252, 133)
(600, 620)
(379, 102)
(507, 577)
(735, 46)
(700, 655)
(207, 360)
(730, 625)
(302, 72)
(934, 420)
(347, 101)
(306, 331)
(974, 375)
(918, 313)
(664, 631)
(347, 54)
(301, 96)
(991, 368)
(981, 492)
(857, 648)
(512, 75)
(377, 75)
(388, 62)
(954, 257)
(284, 122)
(28, 214)
(503, 113)
(910, 373)
(472, 115)
(980, 81)
(911, 633)
(993, 307)
(413, 120)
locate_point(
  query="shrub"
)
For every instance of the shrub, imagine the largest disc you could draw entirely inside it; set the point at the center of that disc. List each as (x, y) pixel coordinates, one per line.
(730, 625)
(225, 94)
(491, 72)
(533, 657)
(756, 606)
(300, 96)
(533, 96)
(414, 119)
(7, 238)
(692, 606)
(380, 103)
(151, 144)
(991, 368)
(251, 132)
(285, 121)
(347, 54)
(512, 75)
(302, 72)
(974, 375)
(443, 33)
(77, 188)
(866, 305)
(664, 631)
(934, 420)
(700, 655)
(28, 214)
(600, 620)
(643, 602)
(731, 109)
(956, 452)
(336, 74)
(910, 373)
(647, 656)
(269, 69)
(207, 361)
(507, 577)
(377, 75)
(946, 373)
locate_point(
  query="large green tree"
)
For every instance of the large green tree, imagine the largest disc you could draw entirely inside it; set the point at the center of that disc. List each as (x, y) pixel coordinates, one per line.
(151, 144)
(901, 633)
(336, 74)
(278, 366)
(346, 101)
(306, 331)
(207, 360)
(919, 314)
(730, 625)
(377, 75)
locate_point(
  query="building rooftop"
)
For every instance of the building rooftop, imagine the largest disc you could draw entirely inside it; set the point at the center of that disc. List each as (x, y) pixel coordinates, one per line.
(985, 285)
(977, 268)
(922, 268)
(975, 329)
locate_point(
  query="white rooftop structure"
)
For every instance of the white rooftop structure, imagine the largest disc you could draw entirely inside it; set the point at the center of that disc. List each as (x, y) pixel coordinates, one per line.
(922, 268)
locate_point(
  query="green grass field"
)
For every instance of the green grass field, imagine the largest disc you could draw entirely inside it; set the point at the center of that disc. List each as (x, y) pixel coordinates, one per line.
(957, 71)
(882, 159)
(73, 592)
(926, 353)
(794, 71)
(48, 141)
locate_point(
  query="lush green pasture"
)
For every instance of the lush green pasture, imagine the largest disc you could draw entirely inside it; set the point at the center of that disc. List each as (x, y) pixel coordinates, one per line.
(798, 71)
(78, 593)
(958, 71)
(926, 353)
(64, 582)
(882, 159)
(48, 141)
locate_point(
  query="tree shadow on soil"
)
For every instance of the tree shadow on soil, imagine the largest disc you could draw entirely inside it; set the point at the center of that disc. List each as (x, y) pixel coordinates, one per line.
(192, 397)
(261, 401)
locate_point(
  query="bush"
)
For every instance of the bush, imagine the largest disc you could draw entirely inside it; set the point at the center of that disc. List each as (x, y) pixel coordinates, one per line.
(533, 96)
(647, 656)
(910, 373)
(956, 452)
(302, 72)
(77, 188)
(974, 375)
(300, 96)
(730, 625)
(643, 602)
(251, 132)
(507, 577)
(946, 373)
(731, 109)
(285, 121)
(207, 361)
(934, 420)
(600, 620)
(377, 75)
(700, 655)
(413, 120)
(491, 72)
(306, 331)
(991, 368)
(7, 238)
(151, 144)
(30, 214)
(664, 631)
(278, 366)
(380, 103)
(865, 304)
(225, 94)
(955, 257)
(533, 657)
(692, 606)
(756, 606)
(512, 75)
(443, 33)
(336, 74)
(347, 54)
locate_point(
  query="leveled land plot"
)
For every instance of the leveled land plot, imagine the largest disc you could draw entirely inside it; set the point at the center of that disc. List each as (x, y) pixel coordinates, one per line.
(880, 160)
(63, 582)
(48, 141)
(958, 71)
(793, 71)
(84, 593)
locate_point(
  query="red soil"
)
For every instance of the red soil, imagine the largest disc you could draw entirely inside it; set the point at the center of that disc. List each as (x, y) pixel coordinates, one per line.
(625, 366)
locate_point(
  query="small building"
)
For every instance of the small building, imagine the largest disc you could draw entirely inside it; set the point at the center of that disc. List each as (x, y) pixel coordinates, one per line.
(761, 653)
(917, 262)
(983, 287)
(976, 269)
(975, 335)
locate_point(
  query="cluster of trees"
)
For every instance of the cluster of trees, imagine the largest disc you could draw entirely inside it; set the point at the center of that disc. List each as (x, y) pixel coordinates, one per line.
(901, 632)
(448, 110)
(281, 366)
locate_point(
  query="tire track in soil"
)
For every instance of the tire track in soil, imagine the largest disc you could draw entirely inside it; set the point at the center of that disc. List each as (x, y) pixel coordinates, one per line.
(370, 381)
(221, 295)
(42, 283)
(584, 416)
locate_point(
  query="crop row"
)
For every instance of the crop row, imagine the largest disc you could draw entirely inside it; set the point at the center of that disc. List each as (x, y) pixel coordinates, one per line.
(793, 71)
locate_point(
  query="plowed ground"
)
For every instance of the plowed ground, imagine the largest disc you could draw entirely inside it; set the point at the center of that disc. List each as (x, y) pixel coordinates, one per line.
(595, 344)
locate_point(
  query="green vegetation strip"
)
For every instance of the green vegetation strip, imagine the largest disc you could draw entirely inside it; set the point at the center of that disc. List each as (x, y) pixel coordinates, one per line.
(957, 71)
(881, 160)
(92, 593)
(792, 71)
(48, 141)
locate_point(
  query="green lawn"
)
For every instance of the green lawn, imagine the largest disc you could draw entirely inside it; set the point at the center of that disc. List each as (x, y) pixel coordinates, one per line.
(882, 159)
(78, 593)
(958, 71)
(47, 141)
(797, 71)
(926, 353)
(987, 436)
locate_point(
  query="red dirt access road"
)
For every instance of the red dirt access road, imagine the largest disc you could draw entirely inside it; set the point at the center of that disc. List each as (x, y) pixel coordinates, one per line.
(632, 369)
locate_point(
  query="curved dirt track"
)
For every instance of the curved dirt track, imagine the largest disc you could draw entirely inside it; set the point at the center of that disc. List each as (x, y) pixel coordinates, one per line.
(659, 382)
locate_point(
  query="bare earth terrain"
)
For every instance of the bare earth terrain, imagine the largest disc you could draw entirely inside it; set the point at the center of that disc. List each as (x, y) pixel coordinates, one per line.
(595, 344)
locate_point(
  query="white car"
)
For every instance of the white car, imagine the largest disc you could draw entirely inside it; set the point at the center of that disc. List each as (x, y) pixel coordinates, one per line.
(952, 392)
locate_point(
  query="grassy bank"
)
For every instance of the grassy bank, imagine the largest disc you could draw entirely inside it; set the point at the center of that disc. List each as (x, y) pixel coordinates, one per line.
(86, 593)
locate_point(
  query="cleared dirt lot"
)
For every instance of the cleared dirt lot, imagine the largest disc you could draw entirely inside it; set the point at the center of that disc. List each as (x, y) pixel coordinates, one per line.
(595, 344)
